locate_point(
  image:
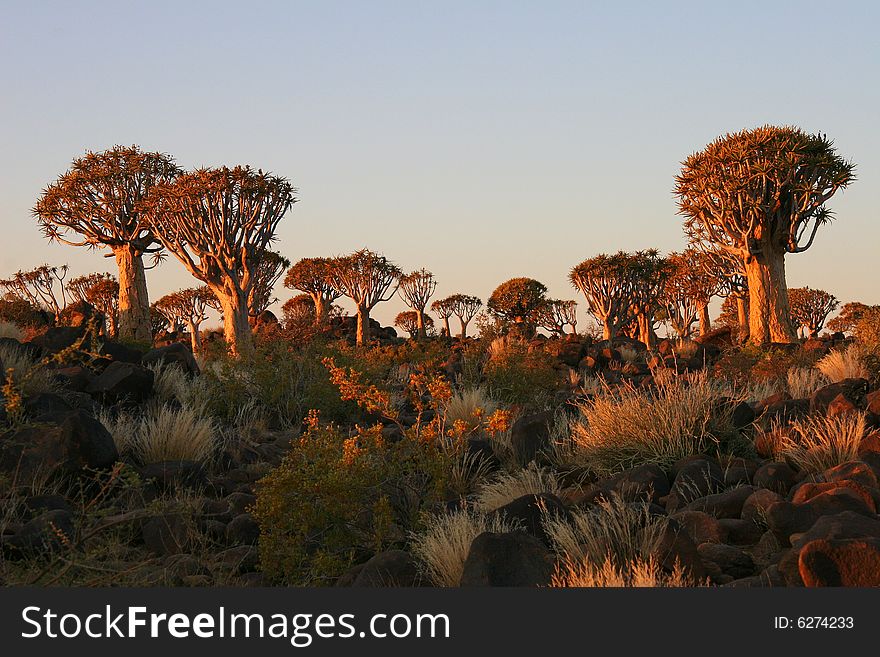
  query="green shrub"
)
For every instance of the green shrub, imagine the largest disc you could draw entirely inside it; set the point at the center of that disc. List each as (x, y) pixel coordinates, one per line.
(335, 501)
(516, 375)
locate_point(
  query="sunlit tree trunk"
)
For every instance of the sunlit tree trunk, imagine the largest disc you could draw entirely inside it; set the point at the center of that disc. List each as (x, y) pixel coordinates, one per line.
(363, 325)
(134, 304)
(195, 337)
(646, 331)
(421, 332)
(464, 326)
(322, 309)
(703, 315)
(236, 327)
(769, 312)
(446, 327)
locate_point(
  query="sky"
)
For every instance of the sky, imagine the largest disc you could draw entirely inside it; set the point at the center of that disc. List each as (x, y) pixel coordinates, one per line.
(480, 140)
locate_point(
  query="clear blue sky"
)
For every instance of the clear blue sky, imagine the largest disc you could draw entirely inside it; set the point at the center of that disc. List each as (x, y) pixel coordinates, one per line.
(482, 140)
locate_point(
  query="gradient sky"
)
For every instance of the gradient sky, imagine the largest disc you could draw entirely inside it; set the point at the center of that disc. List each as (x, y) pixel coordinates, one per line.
(482, 140)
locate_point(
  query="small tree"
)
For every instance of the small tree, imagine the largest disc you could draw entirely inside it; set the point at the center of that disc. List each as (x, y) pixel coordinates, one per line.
(368, 279)
(218, 223)
(409, 321)
(691, 285)
(99, 199)
(609, 283)
(554, 315)
(465, 307)
(270, 267)
(729, 273)
(298, 312)
(187, 308)
(102, 292)
(444, 309)
(42, 287)
(312, 276)
(650, 272)
(810, 308)
(516, 301)
(761, 194)
(416, 289)
(848, 317)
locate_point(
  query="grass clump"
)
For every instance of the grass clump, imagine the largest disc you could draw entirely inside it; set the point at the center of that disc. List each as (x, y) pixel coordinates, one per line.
(817, 443)
(638, 573)
(844, 364)
(804, 381)
(506, 487)
(164, 433)
(28, 375)
(444, 545)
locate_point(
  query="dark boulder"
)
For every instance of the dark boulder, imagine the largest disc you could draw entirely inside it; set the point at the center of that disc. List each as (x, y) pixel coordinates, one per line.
(507, 559)
(122, 382)
(395, 568)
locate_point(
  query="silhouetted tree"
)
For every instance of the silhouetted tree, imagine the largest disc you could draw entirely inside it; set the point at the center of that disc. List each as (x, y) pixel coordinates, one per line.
(729, 272)
(554, 315)
(516, 301)
(218, 223)
(810, 308)
(848, 317)
(465, 307)
(187, 308)
(760, 194)
(312, 276)
(42, 287)
(409, 321)
(298, 312)
(99, 199)
(102, 292)
(609, 283)
(416, 289)
(444, 309)
(368, 279)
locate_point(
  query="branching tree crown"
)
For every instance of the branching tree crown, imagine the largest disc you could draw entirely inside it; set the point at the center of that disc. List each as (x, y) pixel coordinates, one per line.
(101, 290)
(270, 267)
(465, 307)
(517, 299)
(312, 276)
(810, 308)
(42, 287)
(555, 314)
(416, 289)
(610, 284)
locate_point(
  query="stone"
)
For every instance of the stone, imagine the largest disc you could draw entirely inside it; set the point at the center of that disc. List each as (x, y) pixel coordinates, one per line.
(396, 568)
(37, 504)
(786, 518)
(695, 477)
(242, 530)
(239, 503)
(176, 354)
(676, 547)
(648, 482)
(238, 559)
(46, 406)
(530, 435)
(840, 405)
(741, 532)
(701, 527)
(731, 560)
(51, 531)
(166, 535)
(857, 471)
(531, 511)
(727, 504)
(507, 559)
(809, 490)
(755, 507)
(848, 562)
(169, 475)
(123, 382)
(775, 476)
(853, 390)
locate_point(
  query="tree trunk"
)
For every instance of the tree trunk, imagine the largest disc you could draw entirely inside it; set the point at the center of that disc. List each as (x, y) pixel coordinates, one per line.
(769, 313)
(195, 339)
(322, 309)
(646, 331)
(363, 325)
(134, 303)
(607, 333)
(464, 326)
(236, 327)
(742, 315)
(446, 327)
(703, 314)
(421, 332)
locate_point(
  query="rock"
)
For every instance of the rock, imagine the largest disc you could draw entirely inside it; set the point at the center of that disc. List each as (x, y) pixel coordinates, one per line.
(731, 560)
(389, 568)
(530, 435)
(728, 504)
(122, 353)
(695, 477)
(165, 535)
(755, 507)
(785, 412)
(51, 531)
(786, 518)
(853, 390)
(775, 476)
(37, 504)
(176, 354)
(741, 532)
(767, 443)
(46, 406)
(169, 475)
(767, 550)
(840, 405)
(507, 559)
(857, 471)
(58, 338)
(531, 511)
(240, 502)
(676, 547)
(872, 402)
(846, 562)
(123, 382)
(742, 415)
(238, 559)
(809, 490)
(738, 472)
(648, 482)
(242, 530)
(75, 378)
(701, 527)
(180, 568)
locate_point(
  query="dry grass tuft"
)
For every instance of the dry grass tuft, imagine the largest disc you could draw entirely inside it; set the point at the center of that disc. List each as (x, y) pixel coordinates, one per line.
(507, 487)
(164, 434)
(630, 355)
(818, 442)
(469, 406)
(638, 573)
(28, 375)
(444, 546)
(844, 364)
(804, 381)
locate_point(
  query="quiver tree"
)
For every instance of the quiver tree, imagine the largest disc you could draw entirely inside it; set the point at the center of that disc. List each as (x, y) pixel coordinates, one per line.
(650, 271)
(161, 320)
(810, 308)
(298, 312)
(850, 315)
(368, 279)
(728, 271)
(99, 199)
(270, 267)
(691, 285)
(516, 301)
(554, 315)
(187, 308)
(42, 287)
(219, 223)
(416, 289)
(761, 194)
(312, 276)
(410, 322)
(465, 307)
(444, 309)
(609, 283)
(102, 292)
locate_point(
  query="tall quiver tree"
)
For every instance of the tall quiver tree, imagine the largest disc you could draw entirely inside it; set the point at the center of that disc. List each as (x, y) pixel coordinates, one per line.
(99, 199)
(218, 223)
(312, 276)
(444, 309)
(650, 272)
(810, 308)
(102, 292)
(416, 289)
(465, 307)
(760, 194)
(609, 284)
(368, 279)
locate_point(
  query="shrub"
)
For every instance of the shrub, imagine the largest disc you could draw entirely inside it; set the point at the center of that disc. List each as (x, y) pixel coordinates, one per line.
(613, 530)
(844, 364)
(818, 442)
(804, 381)
(171, 385)
(867, 329)
(625, 427)
(444, 545)
(515, 375)
(469, 406)
(507, 487)
(638, 573)
(335, 501)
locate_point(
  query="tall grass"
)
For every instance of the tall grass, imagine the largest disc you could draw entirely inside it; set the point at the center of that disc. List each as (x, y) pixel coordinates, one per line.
(625, 427)
(469, 406)
(817, 443)
(164, 433)
(506, 487)
(443, 547)
(804, 381)
(844, 364)
(639, 573)
(28, 374)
